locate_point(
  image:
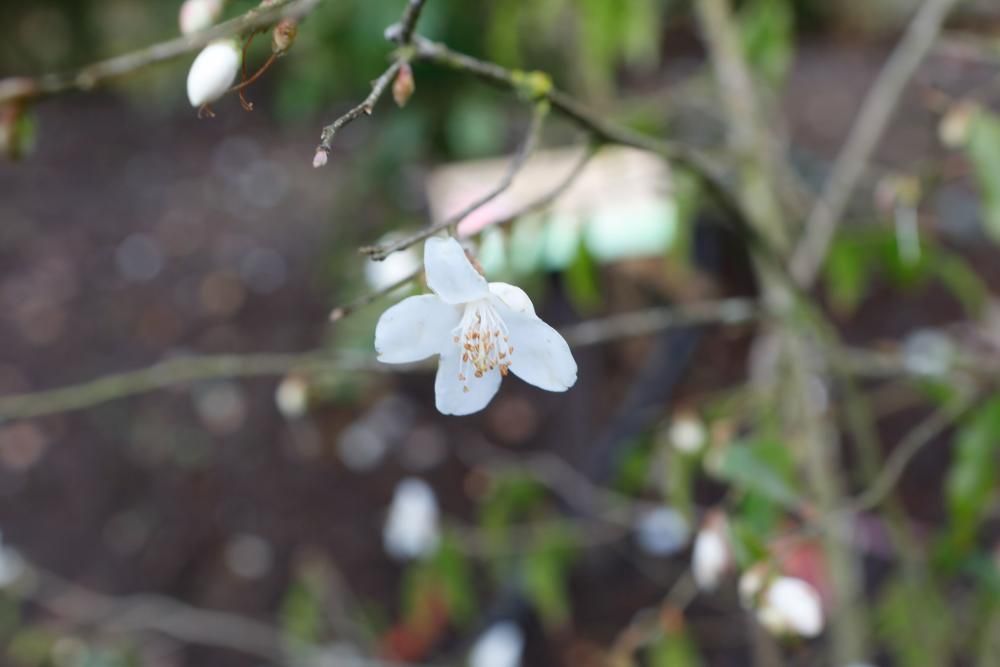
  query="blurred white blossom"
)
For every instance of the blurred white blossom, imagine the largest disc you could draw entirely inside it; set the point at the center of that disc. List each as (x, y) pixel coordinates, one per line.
(411, 528)
(783, 605)
(712, 556)
(662, 532)
(500, 646)
(292, 397)
(197, 15)
(687, 433)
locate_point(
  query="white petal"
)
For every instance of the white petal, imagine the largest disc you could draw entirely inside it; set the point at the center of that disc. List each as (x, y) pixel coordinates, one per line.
(541, 356)
(792, 606)
(710, 559)
(515, 297)
(455, 397)
(414, 329)
(450, 274)
(197, 15)
(213, 72)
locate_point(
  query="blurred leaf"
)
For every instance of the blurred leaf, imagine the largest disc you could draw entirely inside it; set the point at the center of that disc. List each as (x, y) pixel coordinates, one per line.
(769, 37)
(972, 478)
(763, 467)
(510, 498)
(454, 571)
(476, 128)
(302, 615)
(916, 623)
(674, 649)
(848, 272)
(546, 577)
(583, 281)
(983, 149)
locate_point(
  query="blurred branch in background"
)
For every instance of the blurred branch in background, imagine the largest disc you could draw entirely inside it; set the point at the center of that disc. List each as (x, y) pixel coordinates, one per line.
(19, 89)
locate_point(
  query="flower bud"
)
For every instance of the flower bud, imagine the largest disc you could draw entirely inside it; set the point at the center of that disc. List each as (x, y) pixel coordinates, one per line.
(712, 557)
(783, 605)
(292, 397)
(320, 158)
(197, 15)
(213, 72)
(404, 85)
(687, 433)
(283, 36)
(953, 131)
(411, 527)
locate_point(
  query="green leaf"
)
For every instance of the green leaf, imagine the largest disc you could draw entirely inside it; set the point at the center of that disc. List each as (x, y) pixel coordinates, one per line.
(983, 149)
(546, 577)
(763, 467)
(972, 478)
(768, 28)
(302, 614)
(675, 649)
(848, 272)
(916, 623)
(583, 281)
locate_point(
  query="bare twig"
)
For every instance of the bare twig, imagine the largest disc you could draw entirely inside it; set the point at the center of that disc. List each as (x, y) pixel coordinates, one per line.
(340, 312)
(364, 109)
(644, 322)
(20, 88)
(401, 33)
(378, 253)
(922, 435)
(169, 373)
(872, 120)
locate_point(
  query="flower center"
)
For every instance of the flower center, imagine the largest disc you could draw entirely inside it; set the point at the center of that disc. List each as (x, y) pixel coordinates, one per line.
(484, 340)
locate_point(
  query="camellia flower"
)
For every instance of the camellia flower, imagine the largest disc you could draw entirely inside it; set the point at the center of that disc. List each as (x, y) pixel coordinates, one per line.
(213, 72)
(480, 330)
(197, 15)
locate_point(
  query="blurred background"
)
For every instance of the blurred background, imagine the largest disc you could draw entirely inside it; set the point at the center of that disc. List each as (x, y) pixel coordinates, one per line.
(324, 513)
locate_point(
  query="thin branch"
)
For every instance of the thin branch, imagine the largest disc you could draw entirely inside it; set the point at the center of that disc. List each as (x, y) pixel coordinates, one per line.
(169, 373)
(527, 147)
(401, 33)
(86, 78)
(364, 109)
(644, 322)
(340, 312)
(895, 465)
(864, 137)
(528, 83)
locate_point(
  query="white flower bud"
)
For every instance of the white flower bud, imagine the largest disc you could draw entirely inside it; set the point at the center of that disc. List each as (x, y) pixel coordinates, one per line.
(711, 558)
(411, 529)
(662, 532)
(197, 15)
(213, 72)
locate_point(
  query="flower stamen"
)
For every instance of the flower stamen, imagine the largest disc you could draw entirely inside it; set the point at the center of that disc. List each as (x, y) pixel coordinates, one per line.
(484, 340)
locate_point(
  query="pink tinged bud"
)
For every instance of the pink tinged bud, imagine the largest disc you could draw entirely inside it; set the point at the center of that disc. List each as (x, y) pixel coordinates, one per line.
(283, 36)
(197, 15)
(213, 72)
(320, 159)
(404, 85)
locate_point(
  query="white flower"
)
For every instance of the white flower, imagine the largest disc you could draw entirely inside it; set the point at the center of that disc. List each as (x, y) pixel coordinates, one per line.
(711, 558)
(784, 605)
(197, 15)
(662, 531)
(411, 529)
(500, 646)
(480, 330)
(213, 72)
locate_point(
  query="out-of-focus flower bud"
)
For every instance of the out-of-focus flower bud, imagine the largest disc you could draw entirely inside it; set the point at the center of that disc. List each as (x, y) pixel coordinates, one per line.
(213, 72)
(687, 433)
(783, 605)
(404, 85)
(500, 646)
(320, 158)
(953, 130)
(292, 397)
(411, 528)
(283, 36)
(197, 15)
(662, 532)
(712, 557)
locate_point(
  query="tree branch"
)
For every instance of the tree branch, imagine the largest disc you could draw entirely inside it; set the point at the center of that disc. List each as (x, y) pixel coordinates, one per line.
(527, 147)
(872, 120)
(22, 88)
